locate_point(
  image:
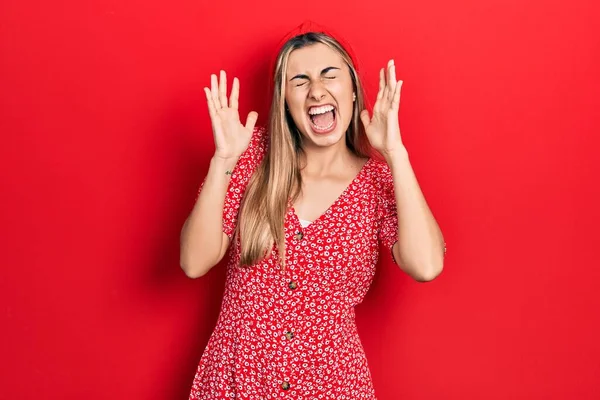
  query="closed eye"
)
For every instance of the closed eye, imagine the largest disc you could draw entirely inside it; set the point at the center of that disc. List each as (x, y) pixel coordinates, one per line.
(305, 78)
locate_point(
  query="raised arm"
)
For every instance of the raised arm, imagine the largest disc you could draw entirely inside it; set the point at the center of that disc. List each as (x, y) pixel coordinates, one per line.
(420, 248)
(205, 235)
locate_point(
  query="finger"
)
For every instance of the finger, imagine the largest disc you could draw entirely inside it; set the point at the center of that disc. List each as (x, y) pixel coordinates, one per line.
(364, 117)
(214, 90)
(385, 97)
(396, 101)
(223, 89)
(235, 94)
(251, 120)
(391, 79)
(211, 105)
(381, 83)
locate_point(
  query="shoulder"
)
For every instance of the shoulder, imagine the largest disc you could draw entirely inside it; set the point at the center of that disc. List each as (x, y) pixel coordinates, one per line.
(382, 187)
(259, 133)
(257, 147)
(380, 173)
(260, 138)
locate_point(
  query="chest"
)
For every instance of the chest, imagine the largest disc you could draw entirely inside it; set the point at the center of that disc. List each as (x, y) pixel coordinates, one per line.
(316, 197)
(318, 194)
(347, 225)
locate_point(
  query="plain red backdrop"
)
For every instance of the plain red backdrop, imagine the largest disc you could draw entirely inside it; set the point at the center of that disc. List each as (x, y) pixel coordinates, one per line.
(106, 137)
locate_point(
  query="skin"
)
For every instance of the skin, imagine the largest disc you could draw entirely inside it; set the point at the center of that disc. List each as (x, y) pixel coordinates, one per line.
(202, 241)
(317, 75)
(420, 248)
(329, 165)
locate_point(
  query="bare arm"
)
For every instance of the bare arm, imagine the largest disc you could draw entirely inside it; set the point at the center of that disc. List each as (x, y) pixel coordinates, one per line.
(203, 243)
(420, 248)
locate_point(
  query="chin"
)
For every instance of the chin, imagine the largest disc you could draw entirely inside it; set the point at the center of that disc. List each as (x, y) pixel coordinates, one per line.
(320, 139)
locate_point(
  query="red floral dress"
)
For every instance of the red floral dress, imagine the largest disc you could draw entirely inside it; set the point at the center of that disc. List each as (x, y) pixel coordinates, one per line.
(292, 334)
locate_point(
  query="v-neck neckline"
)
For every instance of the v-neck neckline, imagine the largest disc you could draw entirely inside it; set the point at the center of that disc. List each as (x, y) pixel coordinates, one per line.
(335, 202)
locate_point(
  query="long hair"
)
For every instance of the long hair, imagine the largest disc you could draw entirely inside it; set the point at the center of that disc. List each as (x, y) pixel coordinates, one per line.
(277, 181)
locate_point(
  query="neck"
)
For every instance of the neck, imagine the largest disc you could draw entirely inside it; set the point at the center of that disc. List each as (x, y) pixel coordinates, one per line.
(324, 161)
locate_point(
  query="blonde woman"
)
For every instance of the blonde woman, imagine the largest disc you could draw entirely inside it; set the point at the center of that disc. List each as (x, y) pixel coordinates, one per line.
(306, 205)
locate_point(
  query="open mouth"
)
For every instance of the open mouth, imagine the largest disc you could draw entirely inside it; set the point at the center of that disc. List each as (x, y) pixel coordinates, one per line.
(322, 118)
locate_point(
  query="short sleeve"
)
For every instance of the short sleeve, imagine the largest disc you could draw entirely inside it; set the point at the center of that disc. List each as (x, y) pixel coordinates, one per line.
(240, 176)
(387, 216)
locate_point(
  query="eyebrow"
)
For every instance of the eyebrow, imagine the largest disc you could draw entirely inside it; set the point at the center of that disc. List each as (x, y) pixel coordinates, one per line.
(304, 76)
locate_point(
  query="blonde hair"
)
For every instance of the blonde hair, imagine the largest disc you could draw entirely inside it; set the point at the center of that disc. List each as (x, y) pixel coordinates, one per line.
(277, 179)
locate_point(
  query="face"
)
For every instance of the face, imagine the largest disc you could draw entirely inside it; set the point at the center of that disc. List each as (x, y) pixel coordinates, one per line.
(319, 94)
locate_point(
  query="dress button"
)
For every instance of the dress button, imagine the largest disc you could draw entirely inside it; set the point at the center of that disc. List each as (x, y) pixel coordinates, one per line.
(285, 385)
(298, 235)
(289, 335)
(293, 285)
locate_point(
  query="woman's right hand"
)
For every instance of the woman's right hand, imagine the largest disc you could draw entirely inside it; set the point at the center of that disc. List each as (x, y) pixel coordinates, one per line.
(231, 137)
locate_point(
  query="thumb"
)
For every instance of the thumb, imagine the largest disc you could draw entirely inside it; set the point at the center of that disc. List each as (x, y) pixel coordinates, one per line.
(364, 117)
(251, 120)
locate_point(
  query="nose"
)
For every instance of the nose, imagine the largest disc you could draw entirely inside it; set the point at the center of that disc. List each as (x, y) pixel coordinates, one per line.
(317, 91)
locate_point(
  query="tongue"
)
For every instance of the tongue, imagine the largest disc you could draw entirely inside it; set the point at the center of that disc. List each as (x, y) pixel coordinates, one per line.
(323, 120)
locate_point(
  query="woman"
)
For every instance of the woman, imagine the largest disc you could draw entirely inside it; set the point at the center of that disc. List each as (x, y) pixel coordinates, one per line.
(306, 205)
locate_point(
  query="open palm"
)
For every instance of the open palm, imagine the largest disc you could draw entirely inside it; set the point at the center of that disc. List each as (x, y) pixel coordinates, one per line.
(383, 129)
(230, 136)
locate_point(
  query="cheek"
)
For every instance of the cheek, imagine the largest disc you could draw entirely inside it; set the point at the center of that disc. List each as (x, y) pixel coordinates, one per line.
(294, 98)
(342, 91)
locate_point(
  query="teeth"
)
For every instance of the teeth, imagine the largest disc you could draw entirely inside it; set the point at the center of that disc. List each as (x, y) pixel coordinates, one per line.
(320, 110)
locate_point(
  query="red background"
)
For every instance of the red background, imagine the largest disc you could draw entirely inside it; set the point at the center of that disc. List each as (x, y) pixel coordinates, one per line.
(106, 136)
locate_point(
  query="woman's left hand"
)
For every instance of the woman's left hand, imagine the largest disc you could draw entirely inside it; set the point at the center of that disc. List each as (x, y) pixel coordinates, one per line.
(383, 128)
